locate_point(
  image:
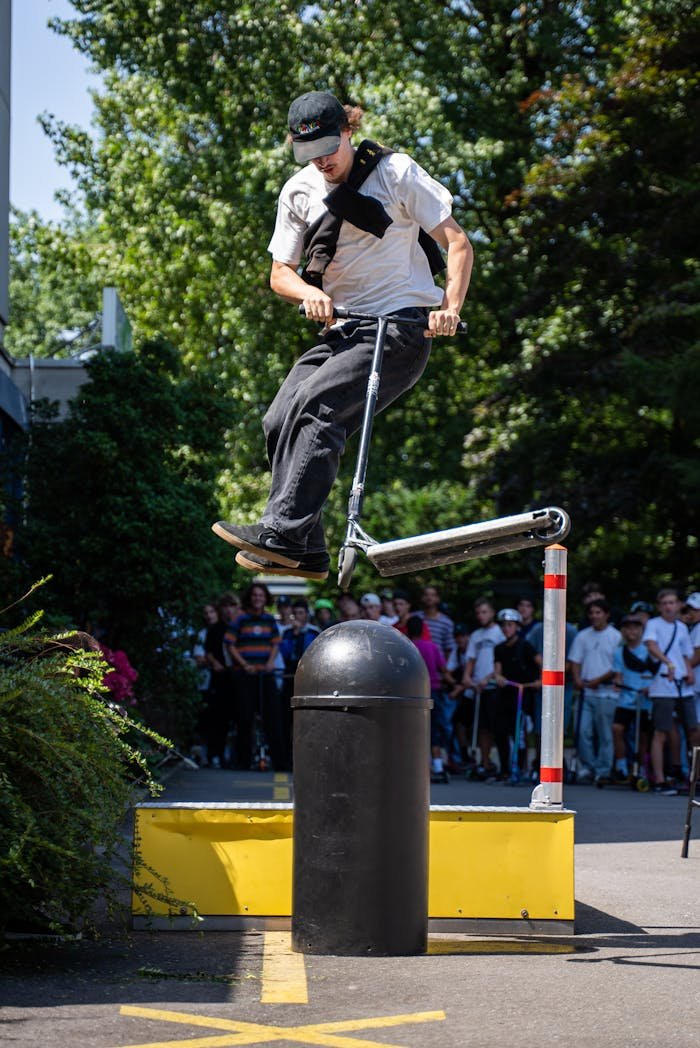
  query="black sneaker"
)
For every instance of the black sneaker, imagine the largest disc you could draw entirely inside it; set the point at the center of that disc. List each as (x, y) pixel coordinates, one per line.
(257, 538)
(310, 565)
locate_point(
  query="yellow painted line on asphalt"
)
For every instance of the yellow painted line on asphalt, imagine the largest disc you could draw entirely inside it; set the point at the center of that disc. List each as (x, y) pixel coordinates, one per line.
(281, 789)
(323, 1030)
(283, 972)
(239, 1032)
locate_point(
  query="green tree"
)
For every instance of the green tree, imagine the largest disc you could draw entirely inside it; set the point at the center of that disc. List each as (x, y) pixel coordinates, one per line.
(605, 406)
(55, 284)
(119, 500)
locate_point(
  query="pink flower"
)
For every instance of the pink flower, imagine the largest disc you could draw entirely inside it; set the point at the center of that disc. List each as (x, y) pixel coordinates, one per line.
(120, 679)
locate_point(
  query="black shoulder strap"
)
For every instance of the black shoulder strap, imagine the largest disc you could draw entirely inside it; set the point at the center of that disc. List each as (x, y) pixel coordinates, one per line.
(653, 664)
(673, 637)
(367, 156)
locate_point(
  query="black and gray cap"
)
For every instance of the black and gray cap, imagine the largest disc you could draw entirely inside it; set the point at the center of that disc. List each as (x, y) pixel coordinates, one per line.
(315, 122)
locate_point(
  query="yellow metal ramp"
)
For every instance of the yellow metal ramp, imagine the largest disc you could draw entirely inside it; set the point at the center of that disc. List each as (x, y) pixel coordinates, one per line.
(495, 870)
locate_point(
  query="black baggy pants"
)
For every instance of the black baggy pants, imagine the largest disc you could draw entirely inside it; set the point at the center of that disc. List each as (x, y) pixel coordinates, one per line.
(319, 405)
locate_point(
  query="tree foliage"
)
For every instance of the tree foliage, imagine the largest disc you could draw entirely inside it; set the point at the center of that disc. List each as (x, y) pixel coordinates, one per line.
(605, 406)
(55, 285)
(120, 496)
(563, 130)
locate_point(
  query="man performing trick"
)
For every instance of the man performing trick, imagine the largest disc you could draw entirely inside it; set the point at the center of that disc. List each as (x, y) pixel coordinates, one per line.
(366, 221)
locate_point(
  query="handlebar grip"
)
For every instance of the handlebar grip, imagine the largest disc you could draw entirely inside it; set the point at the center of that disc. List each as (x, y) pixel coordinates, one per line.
(340, 313)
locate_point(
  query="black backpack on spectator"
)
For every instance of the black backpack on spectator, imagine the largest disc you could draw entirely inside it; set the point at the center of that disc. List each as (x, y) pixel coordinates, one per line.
(647, 665)
(637, 665)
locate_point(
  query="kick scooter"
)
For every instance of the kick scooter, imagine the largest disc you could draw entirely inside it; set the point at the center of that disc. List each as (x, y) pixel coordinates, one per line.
(537, 528)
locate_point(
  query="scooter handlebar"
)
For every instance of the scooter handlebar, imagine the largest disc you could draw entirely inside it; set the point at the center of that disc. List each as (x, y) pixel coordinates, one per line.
(350, 314)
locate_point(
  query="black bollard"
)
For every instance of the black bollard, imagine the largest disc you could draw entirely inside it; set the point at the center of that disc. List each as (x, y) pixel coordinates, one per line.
(361, 794)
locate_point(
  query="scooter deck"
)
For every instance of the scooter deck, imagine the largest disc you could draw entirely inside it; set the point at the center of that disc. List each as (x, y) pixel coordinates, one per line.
(537, 528)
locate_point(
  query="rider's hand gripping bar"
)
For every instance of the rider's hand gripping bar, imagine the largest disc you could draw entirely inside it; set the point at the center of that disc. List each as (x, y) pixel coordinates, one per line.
(340, 313)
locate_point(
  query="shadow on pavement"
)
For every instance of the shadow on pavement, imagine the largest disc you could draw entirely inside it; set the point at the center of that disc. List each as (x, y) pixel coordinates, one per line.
(604, 932)
(143, 966)
(677, 951)
(590, 921)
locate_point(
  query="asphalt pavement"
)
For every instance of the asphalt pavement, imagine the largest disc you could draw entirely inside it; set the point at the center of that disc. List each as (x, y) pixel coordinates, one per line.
(629, 976)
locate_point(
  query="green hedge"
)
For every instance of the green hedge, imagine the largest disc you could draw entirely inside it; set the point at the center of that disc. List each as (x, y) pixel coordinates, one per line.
(69, 762)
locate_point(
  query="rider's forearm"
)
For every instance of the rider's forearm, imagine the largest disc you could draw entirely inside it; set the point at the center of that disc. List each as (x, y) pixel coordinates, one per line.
(460, 259)
(286, 282)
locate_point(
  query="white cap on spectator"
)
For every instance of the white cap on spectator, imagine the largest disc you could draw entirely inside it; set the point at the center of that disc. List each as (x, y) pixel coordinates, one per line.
(693, 601)
(369, 599)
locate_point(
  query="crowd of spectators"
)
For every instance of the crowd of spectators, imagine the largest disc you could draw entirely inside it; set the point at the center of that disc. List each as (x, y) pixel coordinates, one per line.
(632, 693)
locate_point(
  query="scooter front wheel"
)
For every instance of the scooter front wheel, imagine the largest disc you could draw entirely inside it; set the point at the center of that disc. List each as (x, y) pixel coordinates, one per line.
(347, 558)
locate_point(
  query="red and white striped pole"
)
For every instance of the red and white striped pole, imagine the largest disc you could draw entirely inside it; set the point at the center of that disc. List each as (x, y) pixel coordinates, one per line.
(549, 792)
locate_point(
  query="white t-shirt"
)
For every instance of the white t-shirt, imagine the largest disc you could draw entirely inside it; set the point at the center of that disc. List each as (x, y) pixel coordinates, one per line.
(481, 646)
(593, 650)
(661, 631)
(369, 274)
(695, 643)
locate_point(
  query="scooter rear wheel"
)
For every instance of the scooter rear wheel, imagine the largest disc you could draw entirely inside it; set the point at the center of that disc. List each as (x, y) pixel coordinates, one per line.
(347, 558)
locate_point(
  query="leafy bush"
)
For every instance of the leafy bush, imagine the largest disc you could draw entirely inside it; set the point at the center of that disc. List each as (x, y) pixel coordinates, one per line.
(68, 767)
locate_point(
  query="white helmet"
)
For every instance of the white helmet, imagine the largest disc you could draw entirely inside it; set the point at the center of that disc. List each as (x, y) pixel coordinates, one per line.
(509, 615)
